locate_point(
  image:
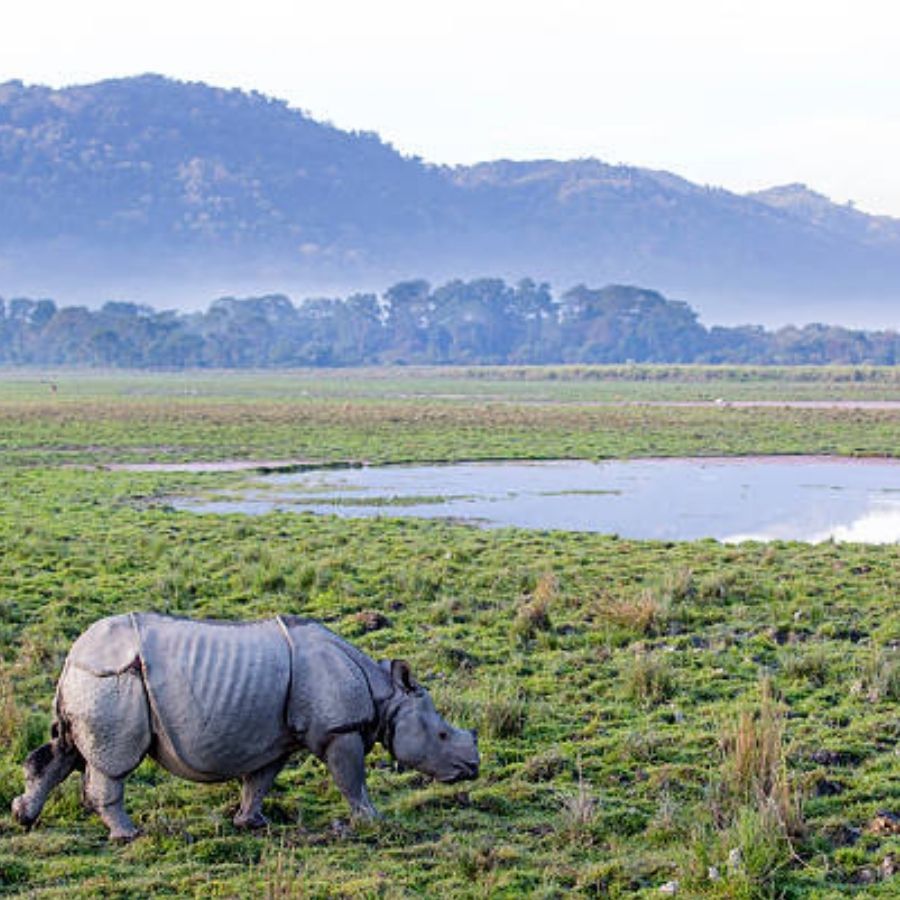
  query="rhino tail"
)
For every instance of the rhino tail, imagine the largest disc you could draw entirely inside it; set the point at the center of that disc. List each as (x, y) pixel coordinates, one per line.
(62, 740)
(62, 744)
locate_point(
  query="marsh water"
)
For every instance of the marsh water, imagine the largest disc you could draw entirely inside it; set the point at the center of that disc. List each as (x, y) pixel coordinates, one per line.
(761, 498)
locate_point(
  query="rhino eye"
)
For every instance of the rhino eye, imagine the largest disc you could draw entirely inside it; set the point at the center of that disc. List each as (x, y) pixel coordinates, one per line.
(443, 735)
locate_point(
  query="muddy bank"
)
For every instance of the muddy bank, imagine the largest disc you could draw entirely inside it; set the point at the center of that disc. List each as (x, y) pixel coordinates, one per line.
(230, 465)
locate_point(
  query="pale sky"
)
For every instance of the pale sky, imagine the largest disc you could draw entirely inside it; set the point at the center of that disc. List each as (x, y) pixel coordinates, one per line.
(740, 94)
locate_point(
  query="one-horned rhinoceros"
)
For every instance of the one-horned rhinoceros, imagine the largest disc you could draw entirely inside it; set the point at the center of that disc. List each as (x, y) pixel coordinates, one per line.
(212, 701)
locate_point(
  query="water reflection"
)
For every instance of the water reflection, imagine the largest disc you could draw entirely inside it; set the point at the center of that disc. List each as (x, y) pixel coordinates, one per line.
(769, 498)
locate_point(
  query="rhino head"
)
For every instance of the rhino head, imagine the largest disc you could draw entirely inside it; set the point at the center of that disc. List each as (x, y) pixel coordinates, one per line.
(418, 737)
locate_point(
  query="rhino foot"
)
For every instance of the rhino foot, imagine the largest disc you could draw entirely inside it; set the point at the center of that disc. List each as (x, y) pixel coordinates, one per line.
(124, 836)
(340, 829)
(365, 815)
(254, 821)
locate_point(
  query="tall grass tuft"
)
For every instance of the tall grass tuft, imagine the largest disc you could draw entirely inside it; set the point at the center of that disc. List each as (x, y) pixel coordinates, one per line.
(534, 615)
(754, 766)
(756, 810)
(881, 676)
(546, 590)
(579, 809)
(679, 585)
(504, 710)
(646, 614)
(649, 678)
(805, 665)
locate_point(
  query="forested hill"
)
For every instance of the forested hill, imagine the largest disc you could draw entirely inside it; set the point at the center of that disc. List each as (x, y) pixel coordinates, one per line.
(486, 321)
(151, 188)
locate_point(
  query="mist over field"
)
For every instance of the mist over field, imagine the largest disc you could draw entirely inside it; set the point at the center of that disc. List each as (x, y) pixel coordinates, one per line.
(151, 190)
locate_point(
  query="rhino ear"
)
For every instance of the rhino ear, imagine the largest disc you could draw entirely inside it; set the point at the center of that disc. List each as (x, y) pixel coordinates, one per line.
(402, 677)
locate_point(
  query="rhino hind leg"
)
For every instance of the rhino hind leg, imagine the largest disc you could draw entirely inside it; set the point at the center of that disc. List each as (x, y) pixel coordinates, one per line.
(105, 796)
(254, 788)
(109, 719)
(345, 758)
(45, 768)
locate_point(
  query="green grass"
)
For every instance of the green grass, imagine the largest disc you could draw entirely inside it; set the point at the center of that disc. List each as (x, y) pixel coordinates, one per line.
(381, 417)
(646, 710)
(555, 384)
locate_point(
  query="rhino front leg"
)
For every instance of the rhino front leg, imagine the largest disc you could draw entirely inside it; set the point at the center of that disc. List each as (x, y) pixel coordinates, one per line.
(345, 758)
(105, 796)
(254, 788)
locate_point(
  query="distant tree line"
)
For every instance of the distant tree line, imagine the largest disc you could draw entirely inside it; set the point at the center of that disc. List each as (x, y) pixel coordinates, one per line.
(485, 321)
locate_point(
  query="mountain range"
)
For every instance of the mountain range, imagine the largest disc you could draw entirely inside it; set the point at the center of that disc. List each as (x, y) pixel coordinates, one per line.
(155, 190)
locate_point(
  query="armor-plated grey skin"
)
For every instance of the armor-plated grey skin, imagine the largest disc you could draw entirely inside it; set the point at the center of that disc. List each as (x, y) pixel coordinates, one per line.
(212, 701)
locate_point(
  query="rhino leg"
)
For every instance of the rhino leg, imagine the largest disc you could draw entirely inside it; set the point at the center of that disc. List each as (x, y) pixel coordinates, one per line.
(345, 758)
(105, 796)
(254, 788)
(109, 719)
(45, 768)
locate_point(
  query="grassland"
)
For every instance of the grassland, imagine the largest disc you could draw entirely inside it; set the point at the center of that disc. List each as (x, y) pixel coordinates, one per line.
(554, 384)
(52, 418)
(647, 710)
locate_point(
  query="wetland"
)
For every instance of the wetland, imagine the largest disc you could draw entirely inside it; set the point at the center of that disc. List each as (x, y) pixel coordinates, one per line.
(764, 498)
(648, 710)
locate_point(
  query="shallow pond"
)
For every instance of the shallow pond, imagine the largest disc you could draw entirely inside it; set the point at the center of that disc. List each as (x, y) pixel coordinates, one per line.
(763, 498)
